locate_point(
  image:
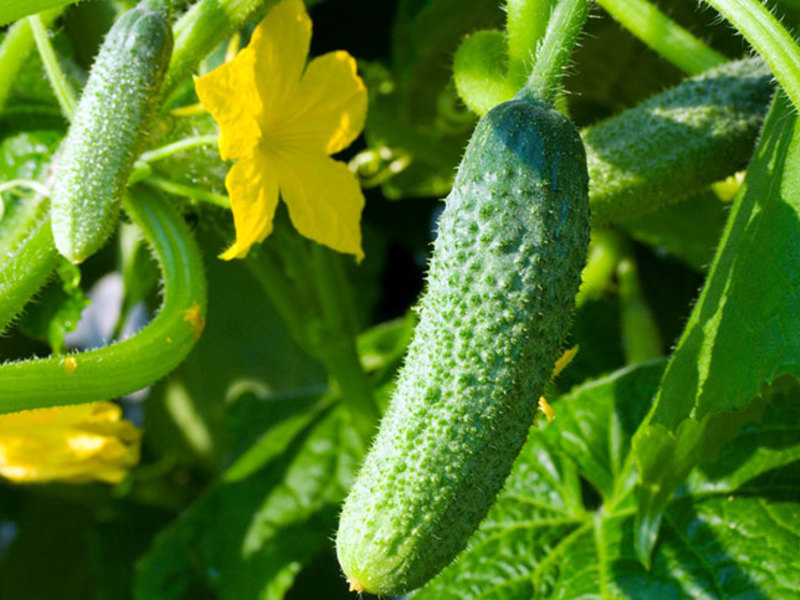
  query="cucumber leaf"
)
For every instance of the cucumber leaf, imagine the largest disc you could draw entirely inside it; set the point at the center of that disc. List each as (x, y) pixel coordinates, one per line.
(743, 332)
(252, 531)
(563, 527)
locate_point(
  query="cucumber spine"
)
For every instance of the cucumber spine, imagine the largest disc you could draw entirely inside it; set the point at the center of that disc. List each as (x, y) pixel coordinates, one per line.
(502, 280)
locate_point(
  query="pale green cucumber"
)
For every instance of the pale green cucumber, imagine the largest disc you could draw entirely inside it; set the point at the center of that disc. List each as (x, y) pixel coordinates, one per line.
(108, 130)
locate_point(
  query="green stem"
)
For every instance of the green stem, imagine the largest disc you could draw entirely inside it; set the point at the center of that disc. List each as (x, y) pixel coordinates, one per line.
(58, 81)
(640, 338)
(267, 270)
(187, 191)
(563, 29)
(140, 360)
(179, 146)
(13, 10)
(605, 252)
(28, 183)
(663, 35)
(769, 38)
(202, 28)
(14, 51)
(339, 353)
(526, 25)
(307, 285)
(28, 256)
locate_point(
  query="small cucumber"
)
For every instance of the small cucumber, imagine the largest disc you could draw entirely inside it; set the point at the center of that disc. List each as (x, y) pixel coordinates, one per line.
(108, 130)
(678, 142)
(502, 280)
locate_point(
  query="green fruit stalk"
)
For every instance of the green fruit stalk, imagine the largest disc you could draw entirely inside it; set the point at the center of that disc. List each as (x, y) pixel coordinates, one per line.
(501, 286)
(108, 130)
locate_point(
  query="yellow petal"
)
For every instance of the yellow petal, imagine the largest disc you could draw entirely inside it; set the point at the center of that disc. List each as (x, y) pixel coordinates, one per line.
(280, 43)
(229, 93)
(324, 199)
(68, 443)
(329, 110)
(252, 185)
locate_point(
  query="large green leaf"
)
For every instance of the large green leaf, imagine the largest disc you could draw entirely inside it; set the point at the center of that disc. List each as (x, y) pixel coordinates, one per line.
(743, 333)
(250, 534)
(563, 527)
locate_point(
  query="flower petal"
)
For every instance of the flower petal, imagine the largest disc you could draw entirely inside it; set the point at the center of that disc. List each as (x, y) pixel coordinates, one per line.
(68, 443)
(252, 184)
(280, 43)
(229, 93)
(324, 199)
(330, 107)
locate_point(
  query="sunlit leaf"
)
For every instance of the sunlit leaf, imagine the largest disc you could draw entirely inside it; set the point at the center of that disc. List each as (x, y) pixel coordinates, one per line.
(743, 332)
(563, 527)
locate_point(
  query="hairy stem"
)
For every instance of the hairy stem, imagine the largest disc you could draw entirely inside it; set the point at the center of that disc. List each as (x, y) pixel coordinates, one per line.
(663, 35)
(563, 29)
(138, 361)
(63, 91)
(769, 38)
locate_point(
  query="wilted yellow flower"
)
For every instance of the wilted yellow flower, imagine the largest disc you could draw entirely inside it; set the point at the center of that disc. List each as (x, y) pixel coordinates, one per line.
(75, 443)
(282, 120)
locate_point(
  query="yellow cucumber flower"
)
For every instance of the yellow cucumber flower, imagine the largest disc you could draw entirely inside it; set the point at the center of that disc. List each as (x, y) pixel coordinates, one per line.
(75, 443)
(282, 120)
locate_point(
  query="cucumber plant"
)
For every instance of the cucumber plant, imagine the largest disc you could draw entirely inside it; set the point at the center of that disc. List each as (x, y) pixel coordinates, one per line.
(502, 280)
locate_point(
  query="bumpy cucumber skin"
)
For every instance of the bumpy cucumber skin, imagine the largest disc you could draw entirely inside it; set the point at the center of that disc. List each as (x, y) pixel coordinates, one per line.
(501, 286)
(106, 135)
(678, 142)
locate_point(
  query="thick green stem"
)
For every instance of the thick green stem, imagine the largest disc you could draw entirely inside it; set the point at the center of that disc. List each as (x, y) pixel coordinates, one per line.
(28, 256)
(12, 10)
(140, 360)
(15, 49)
(769, 38)
(566, 22)
(526, 25)
(64, 93)
(663, 35)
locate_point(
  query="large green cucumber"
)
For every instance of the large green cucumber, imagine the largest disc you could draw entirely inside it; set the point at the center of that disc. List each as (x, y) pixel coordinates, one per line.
(108, 130)
(501, 286)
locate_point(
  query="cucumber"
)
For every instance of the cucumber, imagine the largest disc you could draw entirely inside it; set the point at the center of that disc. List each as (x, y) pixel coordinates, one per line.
(502, 280)
(108, 131)
(678, 142)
